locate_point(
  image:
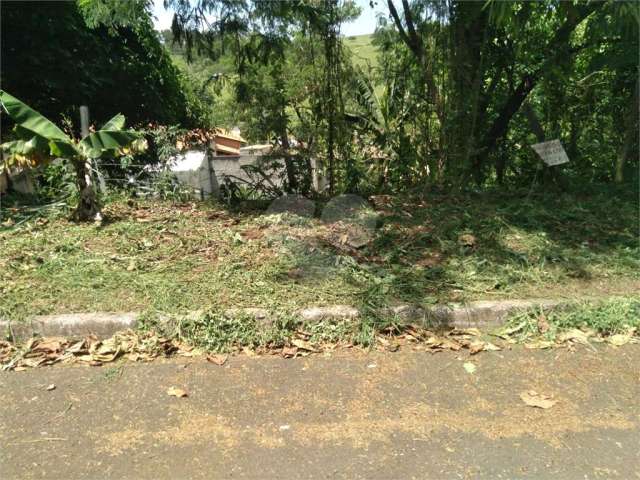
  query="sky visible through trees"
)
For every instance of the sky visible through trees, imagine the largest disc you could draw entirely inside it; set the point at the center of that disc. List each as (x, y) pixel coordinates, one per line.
(364, 24)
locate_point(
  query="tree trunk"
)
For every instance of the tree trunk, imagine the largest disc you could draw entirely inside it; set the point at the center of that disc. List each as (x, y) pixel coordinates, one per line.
(631, 134)
(330, 40)
(470, 30)
(88, 208)
(534, 123)
(292, 180)
(413, 41)
(560, 47)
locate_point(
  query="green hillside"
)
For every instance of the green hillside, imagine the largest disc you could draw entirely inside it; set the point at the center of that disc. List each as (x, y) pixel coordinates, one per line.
(364, 52)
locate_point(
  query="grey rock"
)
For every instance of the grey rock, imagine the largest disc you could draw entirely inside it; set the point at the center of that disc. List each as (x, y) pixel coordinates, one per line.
(481, 314)
(292, 204)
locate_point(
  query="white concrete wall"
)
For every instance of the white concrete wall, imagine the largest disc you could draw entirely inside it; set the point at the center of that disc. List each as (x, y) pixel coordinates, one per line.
(227, 166)
(206, 176)
(191, 168)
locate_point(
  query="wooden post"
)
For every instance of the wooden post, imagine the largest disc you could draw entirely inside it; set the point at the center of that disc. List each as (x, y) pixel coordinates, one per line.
(88, 207)
(212, 187)
(84, 121)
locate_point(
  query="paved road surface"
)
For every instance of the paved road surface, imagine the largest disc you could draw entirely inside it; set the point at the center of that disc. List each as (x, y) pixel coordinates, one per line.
(350, 415)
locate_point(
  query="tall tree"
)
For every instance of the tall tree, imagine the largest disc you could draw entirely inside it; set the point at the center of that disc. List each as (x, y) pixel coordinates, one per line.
(57, 56)
(259, 35)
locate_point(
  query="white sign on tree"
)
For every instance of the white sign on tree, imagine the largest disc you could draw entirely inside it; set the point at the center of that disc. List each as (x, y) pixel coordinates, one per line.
(551, 152)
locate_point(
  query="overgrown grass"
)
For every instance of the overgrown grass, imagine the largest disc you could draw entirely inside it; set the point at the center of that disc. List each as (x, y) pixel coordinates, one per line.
(157, 256)
(216, 332)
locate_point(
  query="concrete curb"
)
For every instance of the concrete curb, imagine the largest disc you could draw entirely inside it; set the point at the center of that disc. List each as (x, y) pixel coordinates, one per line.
(102, 324)
(480, 314)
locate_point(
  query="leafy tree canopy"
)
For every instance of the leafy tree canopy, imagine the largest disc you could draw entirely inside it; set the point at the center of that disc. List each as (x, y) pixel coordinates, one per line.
(59, 55)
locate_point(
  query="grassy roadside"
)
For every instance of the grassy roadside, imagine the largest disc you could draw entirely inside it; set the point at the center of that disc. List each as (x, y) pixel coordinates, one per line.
(616, 321)
(613, 321)
(157, 256)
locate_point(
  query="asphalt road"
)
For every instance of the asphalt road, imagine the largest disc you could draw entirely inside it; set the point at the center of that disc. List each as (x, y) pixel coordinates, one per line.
(349, 415)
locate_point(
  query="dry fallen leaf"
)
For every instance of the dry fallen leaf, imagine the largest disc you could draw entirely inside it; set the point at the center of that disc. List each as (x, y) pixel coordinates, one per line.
(491, 347)
(289, 352)
(539, 344)
(469, 367)
(479, 346)
(77, 347)
(303, 345)
(537, 400)
(217, 359)
(467, 240)
(543, 325)
(134, 357)
(574, 335)
(466, 331)
(436, 343)
(49, 345)
(621, 338)
(176, 392)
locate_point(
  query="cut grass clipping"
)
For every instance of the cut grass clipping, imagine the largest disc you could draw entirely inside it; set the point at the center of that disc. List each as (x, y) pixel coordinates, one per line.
(616, 321)
(216, 332)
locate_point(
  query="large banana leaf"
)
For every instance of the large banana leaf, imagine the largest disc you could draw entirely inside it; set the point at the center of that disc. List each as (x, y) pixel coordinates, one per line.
(61, 149)
(38, 142)
(97, 143)
(116, 123)
(25, 153)
(29, 119)
(20, 148)
(40, 138)
(44, 147)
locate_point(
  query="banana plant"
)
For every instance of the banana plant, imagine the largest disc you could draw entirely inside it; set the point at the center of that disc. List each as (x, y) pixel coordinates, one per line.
(383, 117)
(38, 140)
